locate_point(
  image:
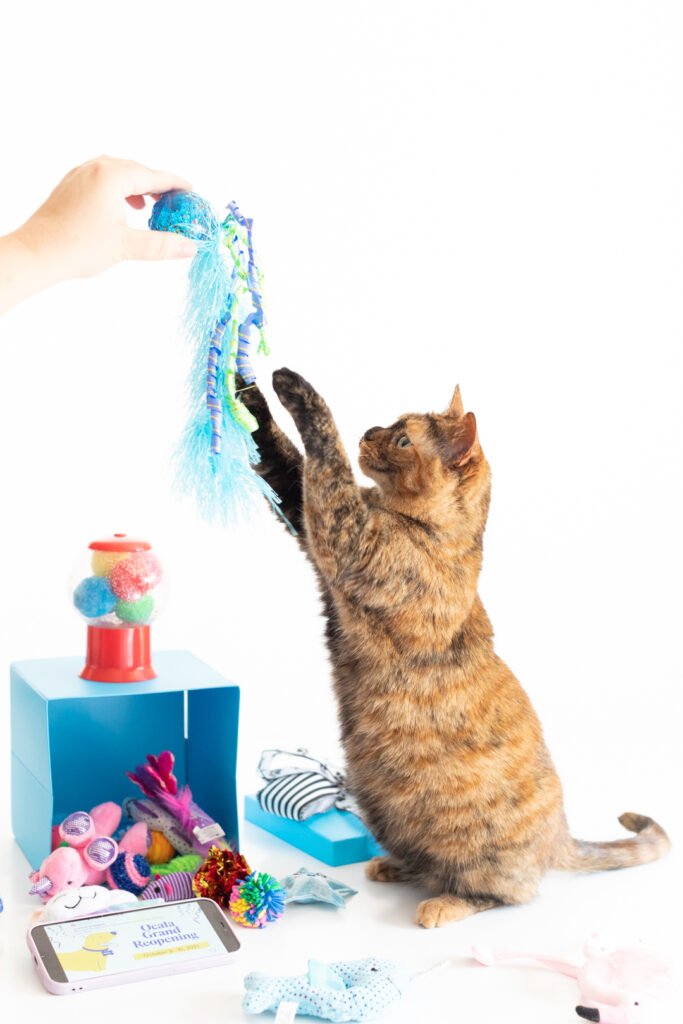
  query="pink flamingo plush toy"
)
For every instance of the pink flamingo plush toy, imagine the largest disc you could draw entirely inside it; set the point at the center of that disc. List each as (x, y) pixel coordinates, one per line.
(616, 985)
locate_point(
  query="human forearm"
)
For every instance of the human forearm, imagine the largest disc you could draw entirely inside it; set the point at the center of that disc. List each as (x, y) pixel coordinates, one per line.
(23, 270)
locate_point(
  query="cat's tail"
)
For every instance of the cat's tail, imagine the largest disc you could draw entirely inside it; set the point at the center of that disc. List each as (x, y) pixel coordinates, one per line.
(649, 843)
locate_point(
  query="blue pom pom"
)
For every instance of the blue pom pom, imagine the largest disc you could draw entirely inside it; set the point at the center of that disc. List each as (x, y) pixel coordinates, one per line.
(94, 597)
(186, 213)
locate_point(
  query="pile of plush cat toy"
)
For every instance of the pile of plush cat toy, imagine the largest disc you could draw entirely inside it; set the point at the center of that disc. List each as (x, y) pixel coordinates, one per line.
(224, 314)
(171, 850)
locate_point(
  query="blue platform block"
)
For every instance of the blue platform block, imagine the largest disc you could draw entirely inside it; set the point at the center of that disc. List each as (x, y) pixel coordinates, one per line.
(74, 740)
(335, 837)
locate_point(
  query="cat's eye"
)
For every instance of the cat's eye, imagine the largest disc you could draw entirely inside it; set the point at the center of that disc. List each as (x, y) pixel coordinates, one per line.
(403, 442)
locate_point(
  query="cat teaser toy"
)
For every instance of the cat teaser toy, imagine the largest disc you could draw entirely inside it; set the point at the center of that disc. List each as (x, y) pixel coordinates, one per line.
(224, 310)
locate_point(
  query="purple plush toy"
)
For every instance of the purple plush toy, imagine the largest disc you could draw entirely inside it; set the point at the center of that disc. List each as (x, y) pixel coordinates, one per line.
(177, 885)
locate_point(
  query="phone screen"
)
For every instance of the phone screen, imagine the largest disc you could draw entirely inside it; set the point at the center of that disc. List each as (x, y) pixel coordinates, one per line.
(134, 940)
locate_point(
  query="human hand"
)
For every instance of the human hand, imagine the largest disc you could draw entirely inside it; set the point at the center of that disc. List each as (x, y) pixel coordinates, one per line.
(81, 229)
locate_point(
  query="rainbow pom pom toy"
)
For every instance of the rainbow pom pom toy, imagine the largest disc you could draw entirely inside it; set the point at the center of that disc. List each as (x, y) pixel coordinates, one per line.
(257, 900)
(224, 309)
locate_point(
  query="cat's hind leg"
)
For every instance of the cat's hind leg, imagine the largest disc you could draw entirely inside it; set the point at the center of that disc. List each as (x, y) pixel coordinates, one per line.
(386, 869)
(505, 890)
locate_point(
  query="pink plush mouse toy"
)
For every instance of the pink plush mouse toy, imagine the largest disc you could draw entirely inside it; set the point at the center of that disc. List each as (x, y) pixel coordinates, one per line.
(89, 853)
(617, 986)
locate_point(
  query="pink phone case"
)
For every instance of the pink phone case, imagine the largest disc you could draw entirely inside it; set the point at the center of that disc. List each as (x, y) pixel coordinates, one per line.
(125, 977)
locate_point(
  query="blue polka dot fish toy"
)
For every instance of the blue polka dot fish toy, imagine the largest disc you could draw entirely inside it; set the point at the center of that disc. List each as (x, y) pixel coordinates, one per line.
(224, 312)
(353, 990)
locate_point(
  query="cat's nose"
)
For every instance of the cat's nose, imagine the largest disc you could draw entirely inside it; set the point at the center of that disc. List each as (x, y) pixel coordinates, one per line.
(367, 436)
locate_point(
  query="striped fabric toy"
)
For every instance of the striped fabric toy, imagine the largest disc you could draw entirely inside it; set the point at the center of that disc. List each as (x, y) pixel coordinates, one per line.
(299, 796)
(175, 886)
(224, 311)
(299, 785)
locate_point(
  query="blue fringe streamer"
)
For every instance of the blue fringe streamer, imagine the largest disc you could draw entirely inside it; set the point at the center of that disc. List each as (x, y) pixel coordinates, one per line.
(213, 465)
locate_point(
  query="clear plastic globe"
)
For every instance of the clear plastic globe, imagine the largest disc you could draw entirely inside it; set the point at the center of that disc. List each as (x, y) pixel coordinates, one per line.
(118, 583)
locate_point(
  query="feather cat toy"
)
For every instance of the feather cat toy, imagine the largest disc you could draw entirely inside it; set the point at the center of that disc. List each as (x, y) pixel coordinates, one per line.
(224, 308)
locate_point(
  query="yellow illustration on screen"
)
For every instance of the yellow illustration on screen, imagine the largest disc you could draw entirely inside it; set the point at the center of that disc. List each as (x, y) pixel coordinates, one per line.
(92, 956)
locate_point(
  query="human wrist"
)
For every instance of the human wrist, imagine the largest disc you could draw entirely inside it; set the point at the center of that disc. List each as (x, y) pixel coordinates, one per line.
(41, 253)
(24, 272)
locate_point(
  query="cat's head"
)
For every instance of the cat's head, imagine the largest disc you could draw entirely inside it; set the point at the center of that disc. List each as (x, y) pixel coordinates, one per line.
(430, 465)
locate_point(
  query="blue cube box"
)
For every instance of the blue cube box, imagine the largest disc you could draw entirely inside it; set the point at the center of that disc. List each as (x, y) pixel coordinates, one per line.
(74, 740)
(335, 837)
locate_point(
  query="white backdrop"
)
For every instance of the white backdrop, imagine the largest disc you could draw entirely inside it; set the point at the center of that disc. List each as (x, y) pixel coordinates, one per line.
(476, 192)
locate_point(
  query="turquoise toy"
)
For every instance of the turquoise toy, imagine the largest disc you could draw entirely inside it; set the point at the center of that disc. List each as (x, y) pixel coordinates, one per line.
(353, 990)
(224, 314)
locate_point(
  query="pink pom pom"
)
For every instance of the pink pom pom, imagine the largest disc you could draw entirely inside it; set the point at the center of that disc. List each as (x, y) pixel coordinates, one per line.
(134, 576)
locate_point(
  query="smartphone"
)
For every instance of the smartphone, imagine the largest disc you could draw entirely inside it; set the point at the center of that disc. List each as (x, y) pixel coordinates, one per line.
(129, 945)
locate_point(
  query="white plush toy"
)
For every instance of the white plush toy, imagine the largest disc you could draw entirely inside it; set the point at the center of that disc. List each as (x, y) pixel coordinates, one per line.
(88, 899)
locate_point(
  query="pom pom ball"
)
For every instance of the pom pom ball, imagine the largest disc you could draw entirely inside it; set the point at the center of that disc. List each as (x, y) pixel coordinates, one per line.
(135, 611)
(94, 597)
(160, 850)
(130, 871)
(218, 875)
(104, 561)
(257, 900)
(185, 213)
(135, 575)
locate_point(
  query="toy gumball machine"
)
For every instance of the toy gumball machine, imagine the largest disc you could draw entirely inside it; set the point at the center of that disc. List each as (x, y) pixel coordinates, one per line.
(118, 589)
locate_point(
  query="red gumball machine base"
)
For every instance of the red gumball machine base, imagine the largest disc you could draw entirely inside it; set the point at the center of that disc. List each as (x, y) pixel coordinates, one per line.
(118, 655)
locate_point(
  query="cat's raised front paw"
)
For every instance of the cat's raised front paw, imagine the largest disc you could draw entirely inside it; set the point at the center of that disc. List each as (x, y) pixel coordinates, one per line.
(254, 400)
(299, 398)
(291, 388)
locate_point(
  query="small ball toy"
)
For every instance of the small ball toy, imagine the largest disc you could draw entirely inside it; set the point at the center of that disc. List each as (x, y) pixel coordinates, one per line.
(257, 900)
(103, 562)
(185, 213)
(218, 875)
(93, 597)
(160, 850)
(130, 871)
(139, 611)
(133, 576)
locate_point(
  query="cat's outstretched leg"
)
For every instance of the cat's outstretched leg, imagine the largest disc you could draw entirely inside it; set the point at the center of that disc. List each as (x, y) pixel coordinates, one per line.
(341, 530)
(440, 910)
(281, 462)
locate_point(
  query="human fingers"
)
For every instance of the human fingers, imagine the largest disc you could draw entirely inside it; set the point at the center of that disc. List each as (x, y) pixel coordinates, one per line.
(136, 179)
(137, 202)
(156, 245)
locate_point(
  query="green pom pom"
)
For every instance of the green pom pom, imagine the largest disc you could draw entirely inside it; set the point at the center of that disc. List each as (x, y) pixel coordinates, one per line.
(135, 611)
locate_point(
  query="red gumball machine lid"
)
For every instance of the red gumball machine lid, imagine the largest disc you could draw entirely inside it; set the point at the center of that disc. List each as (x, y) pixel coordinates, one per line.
(120, 542)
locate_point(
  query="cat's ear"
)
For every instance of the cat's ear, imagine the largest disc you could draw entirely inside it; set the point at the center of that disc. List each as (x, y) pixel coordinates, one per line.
(462, 442)
(456, 408)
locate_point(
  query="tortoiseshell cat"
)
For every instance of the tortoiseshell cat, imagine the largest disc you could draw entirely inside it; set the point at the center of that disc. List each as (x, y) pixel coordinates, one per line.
(445, 754)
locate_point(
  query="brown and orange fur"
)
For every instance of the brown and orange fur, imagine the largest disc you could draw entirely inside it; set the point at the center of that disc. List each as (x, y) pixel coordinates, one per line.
(444, 752)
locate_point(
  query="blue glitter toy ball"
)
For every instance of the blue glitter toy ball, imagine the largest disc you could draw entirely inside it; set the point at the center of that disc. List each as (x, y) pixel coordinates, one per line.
(186, 213)
(94, 597)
